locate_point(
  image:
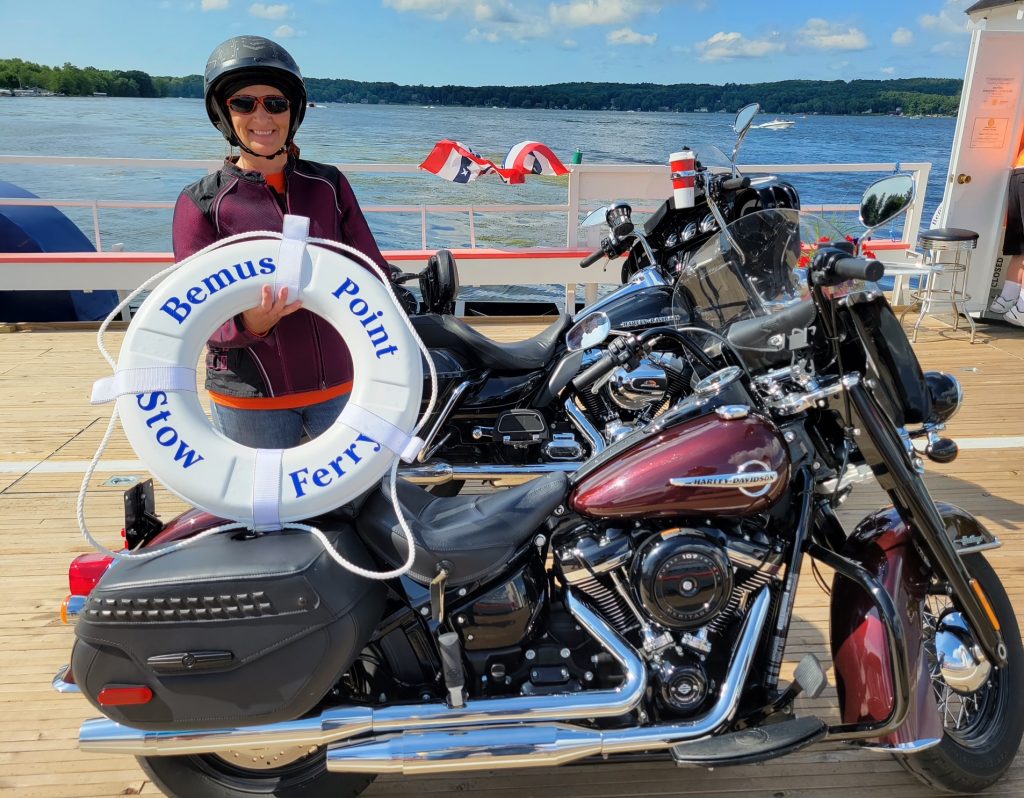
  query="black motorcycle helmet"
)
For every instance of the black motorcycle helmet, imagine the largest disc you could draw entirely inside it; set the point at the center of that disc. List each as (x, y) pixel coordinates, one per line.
(245, 61)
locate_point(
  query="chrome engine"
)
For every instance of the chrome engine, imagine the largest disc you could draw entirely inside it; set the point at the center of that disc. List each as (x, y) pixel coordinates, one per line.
(675, 593)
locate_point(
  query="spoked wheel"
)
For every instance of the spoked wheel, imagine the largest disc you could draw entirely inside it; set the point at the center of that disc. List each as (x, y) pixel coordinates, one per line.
(282, 773)
(983, 727)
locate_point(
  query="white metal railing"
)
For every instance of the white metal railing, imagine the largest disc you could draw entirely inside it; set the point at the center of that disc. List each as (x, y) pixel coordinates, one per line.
(587, 186)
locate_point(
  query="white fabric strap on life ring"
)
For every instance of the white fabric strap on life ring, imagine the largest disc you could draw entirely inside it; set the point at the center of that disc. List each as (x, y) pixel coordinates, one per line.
(144, 380)
(294, 232)
(169, 430)
(381, 430)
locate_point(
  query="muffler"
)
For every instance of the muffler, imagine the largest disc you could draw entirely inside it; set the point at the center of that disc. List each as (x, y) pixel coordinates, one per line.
(105, 736)
(541, 745)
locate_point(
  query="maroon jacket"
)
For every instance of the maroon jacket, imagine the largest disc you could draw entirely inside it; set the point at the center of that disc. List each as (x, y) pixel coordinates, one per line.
(303, 352)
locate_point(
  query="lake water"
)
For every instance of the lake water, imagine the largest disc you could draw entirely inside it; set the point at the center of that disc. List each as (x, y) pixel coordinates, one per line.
(178, 128)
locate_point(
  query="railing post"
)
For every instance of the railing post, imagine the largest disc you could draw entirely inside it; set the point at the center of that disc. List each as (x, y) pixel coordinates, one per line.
(423, 227)
(572, 223)
(96, 225)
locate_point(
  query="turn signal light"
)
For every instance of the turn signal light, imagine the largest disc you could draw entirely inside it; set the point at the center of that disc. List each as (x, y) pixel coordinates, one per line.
(124, 696)
(85, 571)
(70, 608)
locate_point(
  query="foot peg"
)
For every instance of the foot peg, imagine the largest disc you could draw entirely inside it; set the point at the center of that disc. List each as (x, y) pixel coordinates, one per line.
(451, 667)
(755, 744)
(810, 677)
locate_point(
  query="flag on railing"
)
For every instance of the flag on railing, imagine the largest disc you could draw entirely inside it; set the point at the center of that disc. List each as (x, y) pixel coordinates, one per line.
(532, 157)
(454, 161)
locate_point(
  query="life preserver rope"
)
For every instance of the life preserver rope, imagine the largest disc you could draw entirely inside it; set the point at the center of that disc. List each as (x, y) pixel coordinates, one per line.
(155, 395)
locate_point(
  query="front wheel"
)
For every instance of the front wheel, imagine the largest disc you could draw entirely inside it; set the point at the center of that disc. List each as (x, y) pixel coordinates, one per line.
(254, 772)
(983, 729)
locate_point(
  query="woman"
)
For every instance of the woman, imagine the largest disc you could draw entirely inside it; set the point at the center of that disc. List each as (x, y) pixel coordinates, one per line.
(1010, 302)
(276, 370)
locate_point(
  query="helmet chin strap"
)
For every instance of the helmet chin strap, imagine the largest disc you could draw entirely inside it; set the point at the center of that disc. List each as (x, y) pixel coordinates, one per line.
(270, 157)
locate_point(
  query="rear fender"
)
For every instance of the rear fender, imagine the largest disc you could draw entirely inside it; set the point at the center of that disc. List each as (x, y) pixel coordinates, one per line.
(883, 544)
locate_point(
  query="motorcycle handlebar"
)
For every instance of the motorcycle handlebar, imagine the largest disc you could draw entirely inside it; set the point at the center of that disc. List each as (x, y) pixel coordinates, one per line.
(859, 269)
(833, 265)
(591, 259)
(734, 183)
(587, 378)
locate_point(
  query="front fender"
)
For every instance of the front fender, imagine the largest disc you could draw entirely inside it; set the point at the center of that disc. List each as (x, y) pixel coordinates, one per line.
(883, 544)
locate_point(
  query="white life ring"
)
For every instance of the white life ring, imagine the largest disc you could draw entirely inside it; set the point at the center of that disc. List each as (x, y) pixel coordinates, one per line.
(170, 431)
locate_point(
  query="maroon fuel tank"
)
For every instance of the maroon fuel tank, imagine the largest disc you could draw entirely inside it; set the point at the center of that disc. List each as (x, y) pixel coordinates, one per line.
(708, 466)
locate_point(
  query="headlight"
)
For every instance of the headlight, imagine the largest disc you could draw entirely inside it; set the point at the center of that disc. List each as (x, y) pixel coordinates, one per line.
(946, 394)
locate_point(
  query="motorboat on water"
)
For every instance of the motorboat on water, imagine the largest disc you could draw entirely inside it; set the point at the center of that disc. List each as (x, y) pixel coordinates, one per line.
(777, 124)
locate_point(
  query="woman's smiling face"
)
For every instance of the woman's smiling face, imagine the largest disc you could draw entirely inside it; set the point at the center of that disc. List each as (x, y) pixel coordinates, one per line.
(262, 132)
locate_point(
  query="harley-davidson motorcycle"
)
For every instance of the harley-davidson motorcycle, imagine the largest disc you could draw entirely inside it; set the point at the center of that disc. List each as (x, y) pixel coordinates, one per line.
(639, 606)
(507, 412)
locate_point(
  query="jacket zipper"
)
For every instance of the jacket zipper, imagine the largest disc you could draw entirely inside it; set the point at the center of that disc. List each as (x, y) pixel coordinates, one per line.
(319, 352)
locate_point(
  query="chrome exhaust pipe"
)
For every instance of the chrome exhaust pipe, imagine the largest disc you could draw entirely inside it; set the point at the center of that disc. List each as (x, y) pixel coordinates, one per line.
(540, 745)
(438, 473)
(105, 736)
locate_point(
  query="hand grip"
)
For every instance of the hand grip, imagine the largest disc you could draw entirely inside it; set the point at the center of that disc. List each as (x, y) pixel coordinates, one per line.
(591, 259)
(859, 269)
(604, 364)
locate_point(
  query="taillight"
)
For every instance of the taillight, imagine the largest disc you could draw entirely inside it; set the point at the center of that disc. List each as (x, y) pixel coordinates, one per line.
(124, 696)
(85, 571)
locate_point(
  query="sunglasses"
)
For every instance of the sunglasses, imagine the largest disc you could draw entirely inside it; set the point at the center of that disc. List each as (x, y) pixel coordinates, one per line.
(246, 103)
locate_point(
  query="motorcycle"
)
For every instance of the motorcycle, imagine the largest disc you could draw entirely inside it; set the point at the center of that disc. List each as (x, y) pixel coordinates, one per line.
(507, 411)
(639, 606)
(721, 195)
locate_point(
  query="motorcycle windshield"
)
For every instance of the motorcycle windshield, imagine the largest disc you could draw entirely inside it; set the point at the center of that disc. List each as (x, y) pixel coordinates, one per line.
(753, 268)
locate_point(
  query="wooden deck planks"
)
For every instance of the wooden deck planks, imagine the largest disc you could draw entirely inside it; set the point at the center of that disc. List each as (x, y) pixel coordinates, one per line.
(46, 377)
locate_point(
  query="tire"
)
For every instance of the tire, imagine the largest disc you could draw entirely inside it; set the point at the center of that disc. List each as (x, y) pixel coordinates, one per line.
(980, 743)
(211, 776)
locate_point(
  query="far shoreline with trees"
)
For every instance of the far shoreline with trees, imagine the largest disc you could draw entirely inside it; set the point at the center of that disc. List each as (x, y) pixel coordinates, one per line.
(909, 96)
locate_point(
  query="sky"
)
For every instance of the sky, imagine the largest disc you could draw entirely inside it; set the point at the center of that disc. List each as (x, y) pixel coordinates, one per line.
(509, 42)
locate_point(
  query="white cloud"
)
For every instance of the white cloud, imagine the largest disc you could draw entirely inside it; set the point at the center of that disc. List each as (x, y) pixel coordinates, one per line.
(824, 35)
(214, 5)
(952, 49)
(583, 12)
(628, 36)
(889, 70)
(726, 46)
(477, 35)
(569, 44)
(285, 32)
(902, 36)
(263, 11)
(950, 19)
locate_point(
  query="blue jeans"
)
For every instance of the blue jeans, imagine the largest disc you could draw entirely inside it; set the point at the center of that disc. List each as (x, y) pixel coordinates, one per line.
(275, 429)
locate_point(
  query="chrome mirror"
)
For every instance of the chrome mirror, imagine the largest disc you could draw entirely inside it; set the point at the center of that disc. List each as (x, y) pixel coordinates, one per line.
(588, 332)
(885, 199)
(595, 217)
(744, 119)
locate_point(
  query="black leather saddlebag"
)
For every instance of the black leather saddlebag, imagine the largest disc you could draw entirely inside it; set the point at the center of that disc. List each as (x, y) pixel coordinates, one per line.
(227, 631)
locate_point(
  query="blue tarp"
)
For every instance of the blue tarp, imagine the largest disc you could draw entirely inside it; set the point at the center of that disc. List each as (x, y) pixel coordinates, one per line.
(35, 228)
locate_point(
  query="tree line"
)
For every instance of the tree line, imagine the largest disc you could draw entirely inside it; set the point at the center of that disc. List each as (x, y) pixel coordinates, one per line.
(908, 95)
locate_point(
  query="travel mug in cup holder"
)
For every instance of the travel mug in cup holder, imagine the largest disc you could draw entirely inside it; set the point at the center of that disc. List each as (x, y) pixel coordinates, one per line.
(683, 167)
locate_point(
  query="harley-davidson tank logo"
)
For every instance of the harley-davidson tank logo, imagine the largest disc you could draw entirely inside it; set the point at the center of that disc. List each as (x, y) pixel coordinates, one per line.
(648, 322)
(745, 479)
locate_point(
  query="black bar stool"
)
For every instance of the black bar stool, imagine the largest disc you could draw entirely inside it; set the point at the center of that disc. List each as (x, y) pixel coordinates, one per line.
(945, 280)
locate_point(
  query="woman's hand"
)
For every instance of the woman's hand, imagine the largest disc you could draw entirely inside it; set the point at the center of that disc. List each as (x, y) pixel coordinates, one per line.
(261, 319)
